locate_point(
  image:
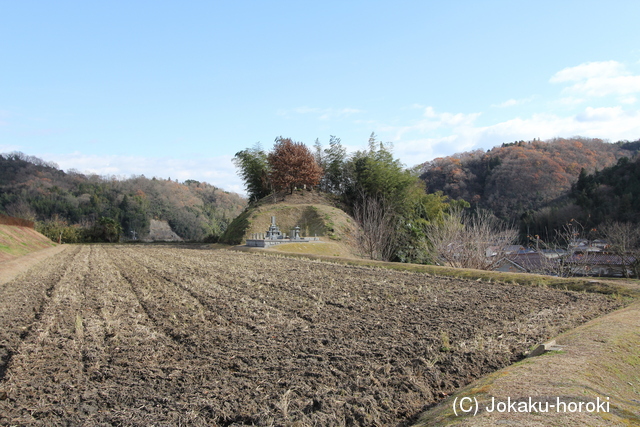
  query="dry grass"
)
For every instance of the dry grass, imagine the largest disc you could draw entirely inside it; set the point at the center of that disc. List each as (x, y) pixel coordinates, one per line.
(16, 241)
(322, 248)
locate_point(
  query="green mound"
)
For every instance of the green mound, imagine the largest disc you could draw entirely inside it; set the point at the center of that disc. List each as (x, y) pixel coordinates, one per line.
(313, 214)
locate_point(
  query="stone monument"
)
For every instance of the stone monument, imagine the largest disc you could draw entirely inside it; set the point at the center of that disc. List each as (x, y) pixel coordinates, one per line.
(274, 236)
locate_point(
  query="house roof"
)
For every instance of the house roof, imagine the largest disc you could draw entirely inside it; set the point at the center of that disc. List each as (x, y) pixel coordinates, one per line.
(531, 261)
(600, 259)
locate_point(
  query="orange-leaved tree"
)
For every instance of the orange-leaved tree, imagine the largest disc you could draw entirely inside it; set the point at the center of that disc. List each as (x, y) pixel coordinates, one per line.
(293, 165)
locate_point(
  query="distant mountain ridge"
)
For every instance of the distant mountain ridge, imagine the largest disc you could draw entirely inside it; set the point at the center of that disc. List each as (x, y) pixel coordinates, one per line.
(76, 204)
(521, 177)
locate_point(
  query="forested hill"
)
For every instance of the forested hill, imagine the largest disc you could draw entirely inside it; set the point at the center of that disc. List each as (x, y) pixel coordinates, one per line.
(95, 206)
(612, 194)
(521, 177)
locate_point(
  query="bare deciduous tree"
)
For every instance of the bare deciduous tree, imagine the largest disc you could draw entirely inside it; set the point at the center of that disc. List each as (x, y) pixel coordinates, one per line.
(623, 239)
(376, 234)
(463, 241)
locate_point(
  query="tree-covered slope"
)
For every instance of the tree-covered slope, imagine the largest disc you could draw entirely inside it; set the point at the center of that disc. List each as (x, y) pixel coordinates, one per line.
(612, 194)
(522, 176)
(37, 190)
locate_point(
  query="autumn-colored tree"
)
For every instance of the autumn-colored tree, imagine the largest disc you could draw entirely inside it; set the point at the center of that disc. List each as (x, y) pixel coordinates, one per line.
(293, 165)
(521, 176)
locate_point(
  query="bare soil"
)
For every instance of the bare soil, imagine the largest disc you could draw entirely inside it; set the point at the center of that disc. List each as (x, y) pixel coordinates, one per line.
(161, 335)
(11, 268)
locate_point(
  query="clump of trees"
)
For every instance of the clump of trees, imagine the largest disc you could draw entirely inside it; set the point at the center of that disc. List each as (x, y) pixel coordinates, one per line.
(377, 235)
(388, 200)
(418, 215)
(288, 166)
(253, 168)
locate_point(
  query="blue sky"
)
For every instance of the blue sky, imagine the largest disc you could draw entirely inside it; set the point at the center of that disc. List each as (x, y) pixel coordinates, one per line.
(175, 89)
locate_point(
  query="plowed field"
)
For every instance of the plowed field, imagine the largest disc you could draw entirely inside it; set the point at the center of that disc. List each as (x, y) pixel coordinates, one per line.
(158, 335)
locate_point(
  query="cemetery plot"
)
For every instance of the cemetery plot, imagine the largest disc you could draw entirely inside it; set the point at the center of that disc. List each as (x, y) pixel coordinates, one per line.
(158, 335)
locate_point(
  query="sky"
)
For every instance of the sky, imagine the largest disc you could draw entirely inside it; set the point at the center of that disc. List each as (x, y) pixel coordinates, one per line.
(174, 89)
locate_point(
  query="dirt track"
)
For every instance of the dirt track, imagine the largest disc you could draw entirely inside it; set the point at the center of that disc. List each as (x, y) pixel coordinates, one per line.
(139, 335)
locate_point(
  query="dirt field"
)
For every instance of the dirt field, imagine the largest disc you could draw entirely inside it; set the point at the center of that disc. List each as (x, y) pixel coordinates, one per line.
(159, 335)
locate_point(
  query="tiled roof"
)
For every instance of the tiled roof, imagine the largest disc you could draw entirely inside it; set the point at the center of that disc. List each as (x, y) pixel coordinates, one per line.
(529, 261)
(595, 258)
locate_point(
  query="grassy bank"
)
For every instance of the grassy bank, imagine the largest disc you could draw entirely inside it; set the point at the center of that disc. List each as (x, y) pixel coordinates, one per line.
(16, 241)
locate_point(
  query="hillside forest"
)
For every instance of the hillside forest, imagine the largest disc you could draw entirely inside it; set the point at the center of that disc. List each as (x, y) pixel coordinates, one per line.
(517, 192)
(541, 186)
(75, 207)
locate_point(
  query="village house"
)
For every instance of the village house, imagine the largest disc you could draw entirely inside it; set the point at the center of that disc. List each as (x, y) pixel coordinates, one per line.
(527, 262)
(600, 264)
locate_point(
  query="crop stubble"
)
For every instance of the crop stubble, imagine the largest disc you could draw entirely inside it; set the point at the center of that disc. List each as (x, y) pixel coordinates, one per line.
(141, 335)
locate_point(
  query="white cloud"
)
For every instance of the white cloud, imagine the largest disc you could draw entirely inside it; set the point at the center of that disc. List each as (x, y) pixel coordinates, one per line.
(589, 70)
(512, 102)
(598, 79)
(620, 85)
(570, 101)
(508, 103)
(600, 114)
(628, 99)
(218, 171)
(449, 119)
(432, 121)
(321, 113)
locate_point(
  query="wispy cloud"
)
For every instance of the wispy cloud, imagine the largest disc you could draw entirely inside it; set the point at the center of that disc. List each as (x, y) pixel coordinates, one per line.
(218, 171)
(432, 122)
(513, 102)
(589, 70)
(598, 79)
(320, 113)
